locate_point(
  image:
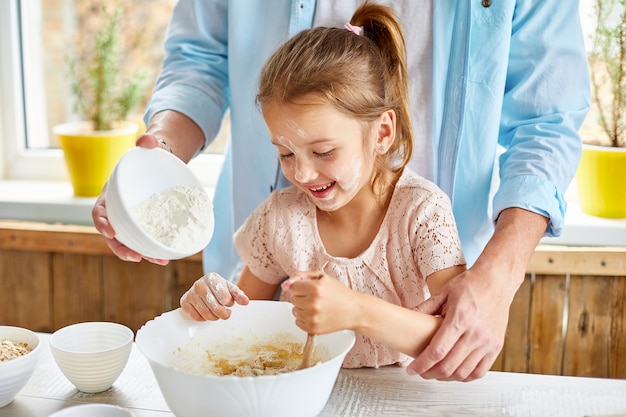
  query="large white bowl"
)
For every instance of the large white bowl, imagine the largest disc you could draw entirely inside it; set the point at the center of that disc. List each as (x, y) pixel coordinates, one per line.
(15, 373)
(139, 174)
(300, 393)
(92, 355)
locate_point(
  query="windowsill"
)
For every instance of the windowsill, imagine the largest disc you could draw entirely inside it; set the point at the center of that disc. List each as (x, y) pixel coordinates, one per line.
(54, 202)
(44, 201)
(584, 230)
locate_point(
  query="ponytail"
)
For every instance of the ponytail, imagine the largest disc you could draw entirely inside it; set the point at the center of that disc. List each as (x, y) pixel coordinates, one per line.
(362, 75)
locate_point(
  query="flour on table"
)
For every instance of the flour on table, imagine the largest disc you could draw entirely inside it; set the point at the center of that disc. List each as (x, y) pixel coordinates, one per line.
(179, 217)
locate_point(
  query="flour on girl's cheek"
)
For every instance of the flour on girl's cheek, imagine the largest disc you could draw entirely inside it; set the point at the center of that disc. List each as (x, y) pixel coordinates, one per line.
(349, 184)
(348, 178)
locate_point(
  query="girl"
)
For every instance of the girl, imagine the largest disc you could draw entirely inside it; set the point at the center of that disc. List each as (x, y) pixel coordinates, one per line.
(362, 238)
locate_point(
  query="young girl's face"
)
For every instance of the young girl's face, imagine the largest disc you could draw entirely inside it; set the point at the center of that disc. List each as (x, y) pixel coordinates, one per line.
(322, 151)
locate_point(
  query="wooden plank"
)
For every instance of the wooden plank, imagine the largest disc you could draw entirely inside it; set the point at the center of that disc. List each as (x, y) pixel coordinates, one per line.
(186, 272)
(77, 289)
(515, 351)
(498, 364)
(617, 352)
(546, 324)
(587, 342)
(134, 292)
(25, 290)
(43, 237)
(575, 260)
(57, 238)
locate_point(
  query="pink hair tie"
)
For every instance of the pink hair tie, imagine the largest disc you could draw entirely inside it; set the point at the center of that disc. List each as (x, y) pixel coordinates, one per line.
(353, 29)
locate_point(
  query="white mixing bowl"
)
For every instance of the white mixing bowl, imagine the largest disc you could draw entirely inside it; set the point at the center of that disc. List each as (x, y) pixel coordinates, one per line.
(139, 174)
(299, 393)
(15, 373)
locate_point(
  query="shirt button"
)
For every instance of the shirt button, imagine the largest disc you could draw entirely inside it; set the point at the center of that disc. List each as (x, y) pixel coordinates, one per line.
(486, 3)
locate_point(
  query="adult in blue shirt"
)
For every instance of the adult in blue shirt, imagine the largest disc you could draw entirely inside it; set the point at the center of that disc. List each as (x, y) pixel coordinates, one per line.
(499, 90)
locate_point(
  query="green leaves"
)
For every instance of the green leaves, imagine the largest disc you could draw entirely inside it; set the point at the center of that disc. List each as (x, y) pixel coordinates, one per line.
(608, 68)
(103, 94)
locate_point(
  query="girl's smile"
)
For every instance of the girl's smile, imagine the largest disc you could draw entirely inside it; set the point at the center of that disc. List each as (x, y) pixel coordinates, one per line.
(323, 191)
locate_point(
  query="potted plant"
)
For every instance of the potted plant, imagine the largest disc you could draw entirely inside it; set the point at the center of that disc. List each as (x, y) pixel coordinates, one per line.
(104, 97)
(601, 175)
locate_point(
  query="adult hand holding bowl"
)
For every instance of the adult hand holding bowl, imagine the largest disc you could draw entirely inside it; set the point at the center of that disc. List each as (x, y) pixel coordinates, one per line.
(157, 206)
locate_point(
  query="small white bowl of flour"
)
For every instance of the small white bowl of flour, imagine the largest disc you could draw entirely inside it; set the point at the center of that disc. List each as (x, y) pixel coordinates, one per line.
(157, 206)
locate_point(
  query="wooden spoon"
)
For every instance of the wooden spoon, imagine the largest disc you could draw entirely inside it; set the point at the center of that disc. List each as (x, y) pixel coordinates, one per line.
(309, 345)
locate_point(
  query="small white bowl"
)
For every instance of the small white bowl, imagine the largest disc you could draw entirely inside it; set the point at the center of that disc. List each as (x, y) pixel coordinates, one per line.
(93, 410)
(140, 174)
(15, 373)
(301, 393)
(92, 355)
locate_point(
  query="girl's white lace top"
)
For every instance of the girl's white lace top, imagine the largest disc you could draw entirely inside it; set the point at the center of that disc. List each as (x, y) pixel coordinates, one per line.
(417, 237)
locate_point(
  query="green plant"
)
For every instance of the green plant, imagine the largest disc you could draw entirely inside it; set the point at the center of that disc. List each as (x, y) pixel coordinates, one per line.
(608, 68)
(103, 95)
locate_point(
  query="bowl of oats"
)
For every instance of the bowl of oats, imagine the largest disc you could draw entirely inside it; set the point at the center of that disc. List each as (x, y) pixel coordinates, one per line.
(19, 352)
(247, 365)
(157, 206)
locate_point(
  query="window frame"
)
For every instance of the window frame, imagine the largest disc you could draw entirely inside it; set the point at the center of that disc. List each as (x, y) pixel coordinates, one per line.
(17, 99)
(17, 161)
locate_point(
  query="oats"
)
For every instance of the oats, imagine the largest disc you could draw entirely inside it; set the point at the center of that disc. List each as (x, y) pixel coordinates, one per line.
(11, 350)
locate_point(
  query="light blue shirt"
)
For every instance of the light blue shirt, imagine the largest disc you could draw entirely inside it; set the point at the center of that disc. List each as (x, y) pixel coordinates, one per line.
(510, 80)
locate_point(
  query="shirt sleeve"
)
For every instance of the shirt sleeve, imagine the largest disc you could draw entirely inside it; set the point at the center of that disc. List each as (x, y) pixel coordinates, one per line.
(546, 100)
(435, 239)
(254, 241)
(194, 78)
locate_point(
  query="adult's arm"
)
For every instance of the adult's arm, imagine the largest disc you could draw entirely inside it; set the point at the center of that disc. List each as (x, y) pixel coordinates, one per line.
(475, 304)
(194, 78)
(546, 98)
(189, 99)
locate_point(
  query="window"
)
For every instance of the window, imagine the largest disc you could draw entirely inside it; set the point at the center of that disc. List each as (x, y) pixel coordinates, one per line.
(36, 39)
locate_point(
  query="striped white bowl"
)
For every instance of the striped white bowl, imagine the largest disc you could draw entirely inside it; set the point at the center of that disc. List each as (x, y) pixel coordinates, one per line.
(92, 355)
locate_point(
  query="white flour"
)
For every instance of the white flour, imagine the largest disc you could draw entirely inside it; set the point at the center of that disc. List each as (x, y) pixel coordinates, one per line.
(179, 217)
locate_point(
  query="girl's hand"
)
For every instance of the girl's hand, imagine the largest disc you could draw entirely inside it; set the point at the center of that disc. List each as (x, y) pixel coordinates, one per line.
(322, 304)
(209, 296)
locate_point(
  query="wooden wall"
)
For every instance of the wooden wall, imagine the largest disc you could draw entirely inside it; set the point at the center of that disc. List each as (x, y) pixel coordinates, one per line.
(55, 275)
(568, 317)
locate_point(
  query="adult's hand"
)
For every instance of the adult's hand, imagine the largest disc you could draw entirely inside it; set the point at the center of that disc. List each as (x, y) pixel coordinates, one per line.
(183, 138)
(103, 226)
(475, 313)
(475, 304)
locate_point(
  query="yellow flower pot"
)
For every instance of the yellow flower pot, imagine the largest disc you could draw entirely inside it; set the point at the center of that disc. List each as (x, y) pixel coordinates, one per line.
(601, 181)
(90, 156)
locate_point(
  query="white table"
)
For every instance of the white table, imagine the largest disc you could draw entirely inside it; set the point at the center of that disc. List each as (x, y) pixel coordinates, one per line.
(359, 392)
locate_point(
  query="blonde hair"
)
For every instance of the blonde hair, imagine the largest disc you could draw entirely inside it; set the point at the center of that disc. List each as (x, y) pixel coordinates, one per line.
(361, 76)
